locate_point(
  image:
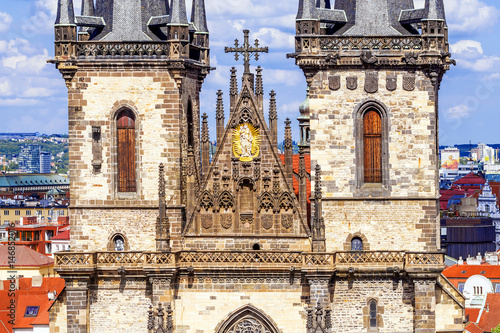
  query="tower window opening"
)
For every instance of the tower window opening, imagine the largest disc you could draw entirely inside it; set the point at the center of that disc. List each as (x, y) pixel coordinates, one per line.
(356, 244)
(119, 244)
(373, 313)
(256, 247)
(126, 151)
(372, 147)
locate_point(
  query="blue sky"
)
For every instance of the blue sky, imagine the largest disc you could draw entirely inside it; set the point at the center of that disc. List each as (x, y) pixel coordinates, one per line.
(33, 94)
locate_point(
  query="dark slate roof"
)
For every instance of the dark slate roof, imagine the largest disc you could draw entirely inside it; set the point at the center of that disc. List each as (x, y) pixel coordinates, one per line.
(198, 16)
(127, 20)
(434, 10)
(65, 13)
(178, 13)
(374, 18)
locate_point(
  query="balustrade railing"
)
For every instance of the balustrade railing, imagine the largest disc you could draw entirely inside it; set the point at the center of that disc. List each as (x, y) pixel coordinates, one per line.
(271, 259)
(347, 43)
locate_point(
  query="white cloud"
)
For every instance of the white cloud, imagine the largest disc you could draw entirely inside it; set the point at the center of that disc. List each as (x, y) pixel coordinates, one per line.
(5, 21)
(283, 77)
(467, 49)
(5, 89)
(459, 111)
(470, 55)
(274, 37)
(470, 15)
(19, 102)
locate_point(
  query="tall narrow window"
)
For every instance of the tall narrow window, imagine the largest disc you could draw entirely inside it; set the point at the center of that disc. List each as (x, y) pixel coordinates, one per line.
(373, 313)
(372, 146)
(126, 151)
(356, 244)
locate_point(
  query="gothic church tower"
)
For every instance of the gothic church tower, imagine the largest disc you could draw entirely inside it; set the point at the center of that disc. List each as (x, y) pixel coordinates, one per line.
(373, 70)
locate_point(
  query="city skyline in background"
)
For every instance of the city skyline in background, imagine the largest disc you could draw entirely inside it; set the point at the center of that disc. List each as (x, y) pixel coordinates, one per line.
(33, 98)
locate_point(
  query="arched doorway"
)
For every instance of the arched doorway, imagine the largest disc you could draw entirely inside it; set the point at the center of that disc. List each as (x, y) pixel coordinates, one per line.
(247, 319)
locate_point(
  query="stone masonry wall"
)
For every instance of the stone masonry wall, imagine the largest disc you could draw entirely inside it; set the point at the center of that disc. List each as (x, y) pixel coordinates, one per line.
(58, 316)
(412, 134)
(119, 305)
(96, 94)
(409, 222)
(394, 299)
(387, 225)
(212, 300)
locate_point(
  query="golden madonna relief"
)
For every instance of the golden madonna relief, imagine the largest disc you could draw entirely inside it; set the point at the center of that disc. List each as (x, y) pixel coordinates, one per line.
(246, 142)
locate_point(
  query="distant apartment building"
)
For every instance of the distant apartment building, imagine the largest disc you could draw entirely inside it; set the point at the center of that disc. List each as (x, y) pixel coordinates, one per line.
(484, 153)
(29, 159)
(450, 158)
(45, 161)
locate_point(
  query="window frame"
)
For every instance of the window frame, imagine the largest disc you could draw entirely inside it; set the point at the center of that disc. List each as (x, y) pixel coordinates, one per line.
(126, 112)
(362, 187)
(34, 311)
(372, 314)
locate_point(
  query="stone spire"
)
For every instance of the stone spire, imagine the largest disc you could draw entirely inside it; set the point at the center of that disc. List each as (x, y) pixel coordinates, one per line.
(318, 224)
(273, 118)
(302, 185)
(307, 10)
(233, 90)
(434, 10)
(178, 15)
(259, 90)
(88, 10)
(162, 223)
(198, 16)
(65, 13)
(304, 120)
(288, 145)
(219, 114)
(205, 145)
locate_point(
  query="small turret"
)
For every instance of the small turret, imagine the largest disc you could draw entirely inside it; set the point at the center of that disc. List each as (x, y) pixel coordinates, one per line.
(233, 90)
(259, 90)
(434, 29)
(88, 10)
(178, 30)
(65, 29)
(199, 20)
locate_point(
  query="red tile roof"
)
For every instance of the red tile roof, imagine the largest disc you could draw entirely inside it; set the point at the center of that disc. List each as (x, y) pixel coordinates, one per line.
(27, 295)
(470, 180)
(61, 236)
(490, 271)
(473, 328)
(25, 257)
(490, 316)
(473, 313)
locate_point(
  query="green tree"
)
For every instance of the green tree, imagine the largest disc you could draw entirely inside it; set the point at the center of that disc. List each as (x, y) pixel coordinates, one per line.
(496, 329)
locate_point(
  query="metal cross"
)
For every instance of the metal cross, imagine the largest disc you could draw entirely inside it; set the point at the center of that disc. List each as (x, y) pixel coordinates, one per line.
(246, 50)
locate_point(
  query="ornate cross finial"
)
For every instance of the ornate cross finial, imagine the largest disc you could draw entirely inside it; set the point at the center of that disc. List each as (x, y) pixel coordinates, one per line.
(246, 50)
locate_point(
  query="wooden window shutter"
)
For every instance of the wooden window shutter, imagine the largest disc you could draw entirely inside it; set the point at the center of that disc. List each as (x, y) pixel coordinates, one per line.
(372, 146)
(126, 151)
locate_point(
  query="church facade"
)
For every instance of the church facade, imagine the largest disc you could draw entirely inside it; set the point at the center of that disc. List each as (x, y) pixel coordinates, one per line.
(165, 239)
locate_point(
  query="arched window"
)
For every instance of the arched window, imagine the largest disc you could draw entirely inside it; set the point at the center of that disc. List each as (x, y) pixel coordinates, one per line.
(125, 125)
(119, 243)
(373, 313)
(356, 244)
(372, 146)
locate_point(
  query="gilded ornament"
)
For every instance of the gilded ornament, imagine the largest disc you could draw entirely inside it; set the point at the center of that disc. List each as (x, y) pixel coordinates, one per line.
(246, 142)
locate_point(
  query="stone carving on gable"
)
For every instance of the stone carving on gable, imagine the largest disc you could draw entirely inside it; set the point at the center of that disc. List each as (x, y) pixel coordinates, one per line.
(409, 82)
(156, 321)
(206, 200)
(226, 200)
(287, 221)
(319, 319)
(226, 220)
(267, 221)
(266, 202)
(286, 201)
(246, 142)
(334, 82)
(352, 82)
(206, 221)
(391, 82)
(371, 82)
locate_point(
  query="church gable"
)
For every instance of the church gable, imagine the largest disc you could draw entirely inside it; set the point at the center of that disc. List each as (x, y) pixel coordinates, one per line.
(245, 192)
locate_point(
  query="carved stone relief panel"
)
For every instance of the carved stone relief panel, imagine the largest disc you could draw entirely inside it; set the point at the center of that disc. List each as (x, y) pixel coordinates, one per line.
(206, 221)
(287, 221)
(226, 220)
(267, 221)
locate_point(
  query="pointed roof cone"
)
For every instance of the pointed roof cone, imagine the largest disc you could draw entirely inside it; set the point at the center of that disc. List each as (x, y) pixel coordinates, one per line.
(198, 16)
(88, 8)
(304, 107)
(307, 10)
(434, 10)
(65, 13)
(323, 4)
(178, 14)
